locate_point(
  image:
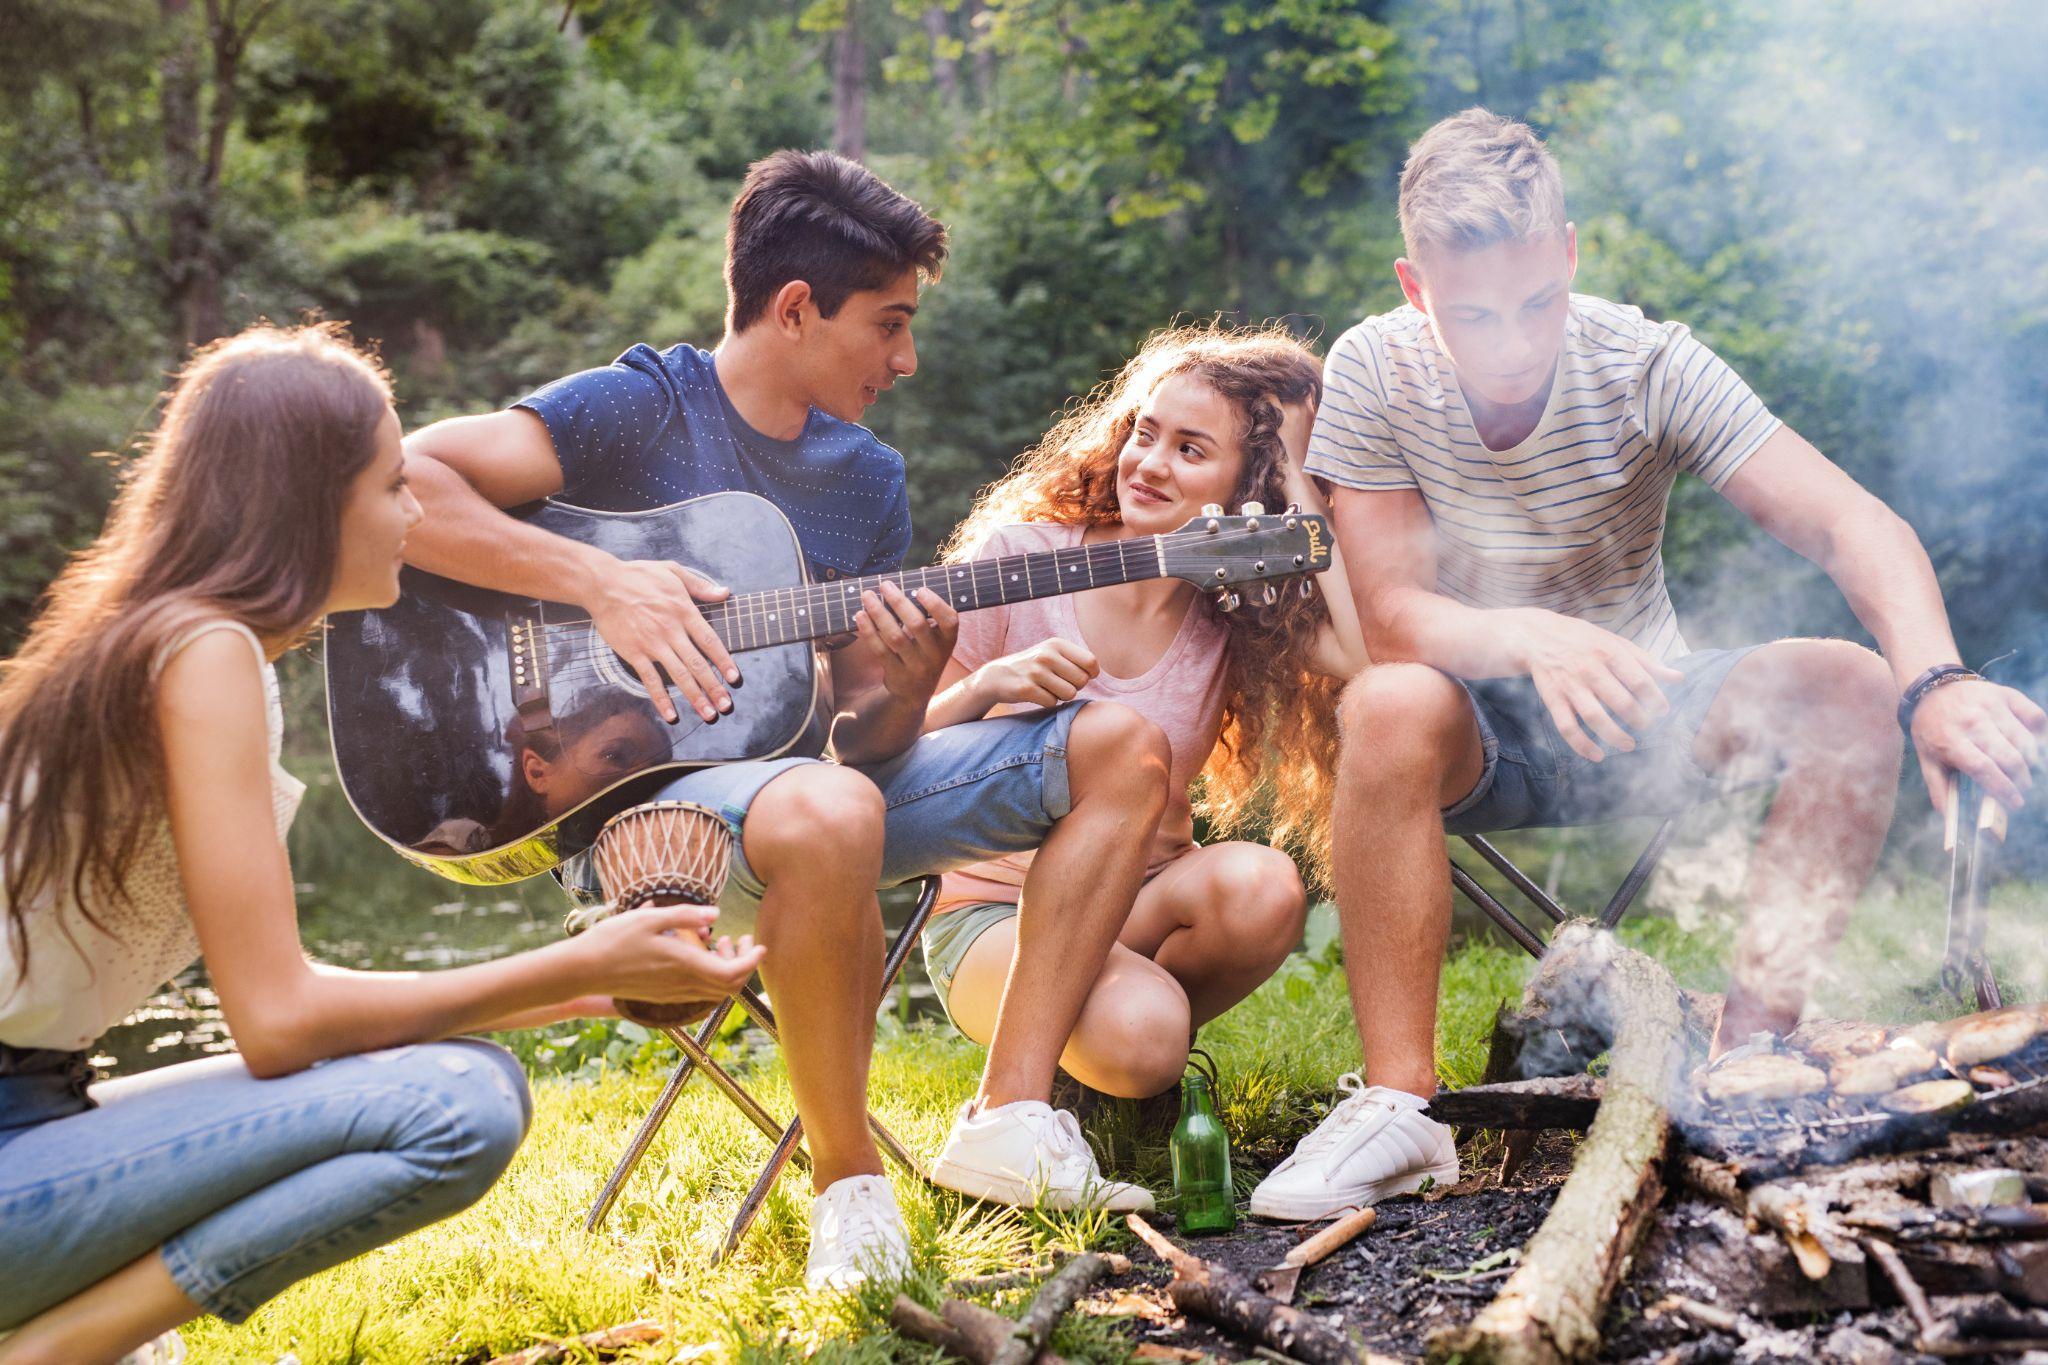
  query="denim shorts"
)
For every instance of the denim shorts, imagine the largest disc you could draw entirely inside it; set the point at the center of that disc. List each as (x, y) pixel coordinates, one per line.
(948, 937)
(246, 1185)
(956, 797)
(1532, 779)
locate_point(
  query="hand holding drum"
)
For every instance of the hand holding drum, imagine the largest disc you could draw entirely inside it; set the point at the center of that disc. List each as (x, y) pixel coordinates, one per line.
(651, 858)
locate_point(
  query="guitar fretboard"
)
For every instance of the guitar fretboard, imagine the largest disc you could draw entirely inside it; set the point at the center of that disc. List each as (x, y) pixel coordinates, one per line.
(755, 620)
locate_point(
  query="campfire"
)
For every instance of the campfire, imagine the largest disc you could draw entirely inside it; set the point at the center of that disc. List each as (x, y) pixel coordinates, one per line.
(1847, 1168)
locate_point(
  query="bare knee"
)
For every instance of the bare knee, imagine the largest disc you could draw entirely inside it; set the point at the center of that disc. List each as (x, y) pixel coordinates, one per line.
(1830, 701)
(1255, 896)
(817, 816)
(1114, 748)
(1403, 723)
(1859, 699)
(1133, 1038)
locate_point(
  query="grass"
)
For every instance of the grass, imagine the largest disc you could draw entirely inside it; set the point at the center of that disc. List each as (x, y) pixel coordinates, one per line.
(518, 1267)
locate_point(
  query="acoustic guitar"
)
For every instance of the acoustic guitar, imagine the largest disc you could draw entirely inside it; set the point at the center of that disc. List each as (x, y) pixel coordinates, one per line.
(485, 737)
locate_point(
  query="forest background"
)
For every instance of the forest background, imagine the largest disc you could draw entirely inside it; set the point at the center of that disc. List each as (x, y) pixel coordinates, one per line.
(1848, 201)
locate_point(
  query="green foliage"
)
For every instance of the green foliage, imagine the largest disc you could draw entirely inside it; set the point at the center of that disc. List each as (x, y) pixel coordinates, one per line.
(390, 273)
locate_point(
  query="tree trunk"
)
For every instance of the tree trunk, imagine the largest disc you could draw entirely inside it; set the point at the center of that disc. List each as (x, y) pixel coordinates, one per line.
(850, 88)
(192, 272)
(945, 71)
(984, 59)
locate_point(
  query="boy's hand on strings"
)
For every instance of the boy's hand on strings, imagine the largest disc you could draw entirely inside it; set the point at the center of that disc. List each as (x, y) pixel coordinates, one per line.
(915, 636)
(646, 610)
(1050, 672)
(1590, 679)
(1984, 731)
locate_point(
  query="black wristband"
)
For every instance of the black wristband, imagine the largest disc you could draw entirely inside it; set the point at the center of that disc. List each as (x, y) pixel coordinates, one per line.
(1937, 676)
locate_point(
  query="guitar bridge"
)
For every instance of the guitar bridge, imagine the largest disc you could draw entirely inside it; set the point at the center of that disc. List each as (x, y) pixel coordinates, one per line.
(529, 675)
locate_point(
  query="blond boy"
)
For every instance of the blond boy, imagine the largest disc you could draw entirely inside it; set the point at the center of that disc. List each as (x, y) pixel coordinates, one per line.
(1501, 452)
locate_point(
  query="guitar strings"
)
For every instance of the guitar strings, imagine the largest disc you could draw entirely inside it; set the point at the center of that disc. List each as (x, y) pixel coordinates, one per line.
(609, 664)
(816, 595)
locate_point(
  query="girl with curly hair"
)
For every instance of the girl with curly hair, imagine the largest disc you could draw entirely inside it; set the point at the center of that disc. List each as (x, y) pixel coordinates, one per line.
(1246, 699)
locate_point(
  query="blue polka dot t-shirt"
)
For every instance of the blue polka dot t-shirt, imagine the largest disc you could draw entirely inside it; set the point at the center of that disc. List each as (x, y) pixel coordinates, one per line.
(655, 427)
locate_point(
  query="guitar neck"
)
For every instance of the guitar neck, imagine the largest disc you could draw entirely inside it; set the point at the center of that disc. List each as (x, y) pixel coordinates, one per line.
(781, 616)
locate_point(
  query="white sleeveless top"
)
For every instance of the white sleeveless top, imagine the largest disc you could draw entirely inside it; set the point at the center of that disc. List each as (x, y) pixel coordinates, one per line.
(84, 981)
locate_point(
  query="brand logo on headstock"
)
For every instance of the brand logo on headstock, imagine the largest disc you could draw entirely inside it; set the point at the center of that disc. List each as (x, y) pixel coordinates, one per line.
(1317, 551)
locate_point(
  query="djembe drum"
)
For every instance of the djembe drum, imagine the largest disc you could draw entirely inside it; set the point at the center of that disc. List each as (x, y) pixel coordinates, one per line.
(662, 853)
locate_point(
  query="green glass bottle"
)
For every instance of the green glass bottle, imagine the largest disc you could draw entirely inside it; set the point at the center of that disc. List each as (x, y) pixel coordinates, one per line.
(1201, 1161)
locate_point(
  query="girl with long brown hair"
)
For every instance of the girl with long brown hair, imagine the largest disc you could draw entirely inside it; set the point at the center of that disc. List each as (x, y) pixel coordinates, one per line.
(1246, 700)
(142, 822)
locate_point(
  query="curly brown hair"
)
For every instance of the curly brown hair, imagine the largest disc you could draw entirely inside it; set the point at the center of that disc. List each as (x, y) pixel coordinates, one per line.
(1279, 712)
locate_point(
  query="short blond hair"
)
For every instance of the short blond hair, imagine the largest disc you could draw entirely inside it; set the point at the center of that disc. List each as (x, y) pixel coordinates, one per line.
(1476, 179)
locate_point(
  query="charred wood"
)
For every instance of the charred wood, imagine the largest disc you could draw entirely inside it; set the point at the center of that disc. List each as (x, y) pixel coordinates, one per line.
(1047, 1307)
(1594, 995)
(1547, 1102)
(1217, 1294)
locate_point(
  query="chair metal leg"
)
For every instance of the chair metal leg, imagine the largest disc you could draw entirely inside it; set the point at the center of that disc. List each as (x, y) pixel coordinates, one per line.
(725, 1081)
(750, 1207)
(656, 1116)
(1495, 911)
(1625, 894)
(1518, 879)
(789, 1138)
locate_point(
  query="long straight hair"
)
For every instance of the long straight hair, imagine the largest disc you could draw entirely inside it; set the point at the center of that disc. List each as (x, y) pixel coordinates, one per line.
(1276, 756)
(232, 510)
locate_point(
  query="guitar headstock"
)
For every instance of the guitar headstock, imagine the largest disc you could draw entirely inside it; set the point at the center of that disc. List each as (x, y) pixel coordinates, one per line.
(1214, 551)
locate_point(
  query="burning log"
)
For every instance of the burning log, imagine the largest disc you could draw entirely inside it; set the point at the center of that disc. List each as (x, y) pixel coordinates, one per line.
(1218, 1294)
(1600, 995)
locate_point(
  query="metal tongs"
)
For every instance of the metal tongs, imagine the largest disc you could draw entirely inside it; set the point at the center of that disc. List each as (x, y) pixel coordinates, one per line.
(1974, 825)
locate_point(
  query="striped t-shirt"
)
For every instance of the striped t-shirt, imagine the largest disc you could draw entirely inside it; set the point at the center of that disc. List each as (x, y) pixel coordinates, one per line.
(1572, 518)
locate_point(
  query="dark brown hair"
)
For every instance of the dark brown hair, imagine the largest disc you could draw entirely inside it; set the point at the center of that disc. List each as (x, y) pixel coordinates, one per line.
(825, 220)
(232, 510)
(1275, 703)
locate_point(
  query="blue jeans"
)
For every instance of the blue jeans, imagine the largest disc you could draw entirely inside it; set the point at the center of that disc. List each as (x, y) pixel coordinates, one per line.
(956, 797)
(1532, 779)
(247, 1185)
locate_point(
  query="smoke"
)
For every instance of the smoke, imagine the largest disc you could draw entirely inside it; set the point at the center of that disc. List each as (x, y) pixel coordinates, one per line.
(1850, 203)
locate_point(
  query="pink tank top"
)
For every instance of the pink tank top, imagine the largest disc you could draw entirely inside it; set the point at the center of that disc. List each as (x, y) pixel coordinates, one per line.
(1181, 693)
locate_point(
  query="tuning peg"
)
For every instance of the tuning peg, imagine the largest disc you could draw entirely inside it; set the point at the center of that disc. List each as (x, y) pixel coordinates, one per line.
(1268, 595)
(1228, 601)
(1252, 509)
(1212, 509)
(1308, 588)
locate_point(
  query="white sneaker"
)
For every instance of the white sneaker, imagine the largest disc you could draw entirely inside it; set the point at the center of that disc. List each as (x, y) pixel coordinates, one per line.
(1375, 1144)
(1030, 1155)
(856, 1235)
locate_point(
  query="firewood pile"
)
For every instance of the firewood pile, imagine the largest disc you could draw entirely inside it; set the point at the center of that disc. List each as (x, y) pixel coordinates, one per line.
(1848, 1168)
(1850, 1192)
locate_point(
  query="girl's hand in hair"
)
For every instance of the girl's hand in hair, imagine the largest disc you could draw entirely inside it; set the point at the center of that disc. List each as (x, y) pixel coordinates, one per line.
(1050, 672)
(1297, 421)
(664, 954)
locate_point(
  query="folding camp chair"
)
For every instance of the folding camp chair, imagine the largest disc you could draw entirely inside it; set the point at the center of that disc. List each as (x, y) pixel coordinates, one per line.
(697, 1057)
(1617, 905)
